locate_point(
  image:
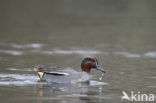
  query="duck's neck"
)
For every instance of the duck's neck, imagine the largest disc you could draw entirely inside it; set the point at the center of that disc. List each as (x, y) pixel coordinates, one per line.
(86, 70)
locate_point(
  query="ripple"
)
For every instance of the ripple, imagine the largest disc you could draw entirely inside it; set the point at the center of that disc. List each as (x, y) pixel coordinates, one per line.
(95, 83)
(68, 52)
(17, 83)
(11, 52)
(19, 76)
(18, 79)
(91, 96)
(127, 54)
(153, 77)
(150, 54)
(76, 52)
(33, 45)
(77, 95)
(22, 69)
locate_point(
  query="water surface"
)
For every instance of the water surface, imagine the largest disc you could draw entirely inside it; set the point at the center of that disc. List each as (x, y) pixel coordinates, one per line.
(121, 34)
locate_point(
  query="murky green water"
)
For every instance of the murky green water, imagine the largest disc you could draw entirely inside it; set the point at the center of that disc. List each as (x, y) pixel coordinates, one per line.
(121, 34)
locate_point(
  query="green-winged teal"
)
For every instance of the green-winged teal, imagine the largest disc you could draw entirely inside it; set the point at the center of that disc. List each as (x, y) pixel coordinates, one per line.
(68, 75)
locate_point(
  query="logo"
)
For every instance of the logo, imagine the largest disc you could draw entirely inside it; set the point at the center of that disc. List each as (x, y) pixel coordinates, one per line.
(137, 96)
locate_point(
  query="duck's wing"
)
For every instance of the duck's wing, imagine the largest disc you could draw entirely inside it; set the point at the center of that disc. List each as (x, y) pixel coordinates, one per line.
(42, 70)
(47, 69)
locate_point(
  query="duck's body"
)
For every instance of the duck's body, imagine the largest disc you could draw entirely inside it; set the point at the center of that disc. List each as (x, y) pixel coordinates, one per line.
(68, 75)
(61, 75)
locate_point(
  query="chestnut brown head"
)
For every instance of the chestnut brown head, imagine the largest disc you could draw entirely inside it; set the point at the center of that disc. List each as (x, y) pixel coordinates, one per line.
(89, 62)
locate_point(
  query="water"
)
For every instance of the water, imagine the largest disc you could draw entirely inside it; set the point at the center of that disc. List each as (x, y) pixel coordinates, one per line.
(120, 34)
(100, 78)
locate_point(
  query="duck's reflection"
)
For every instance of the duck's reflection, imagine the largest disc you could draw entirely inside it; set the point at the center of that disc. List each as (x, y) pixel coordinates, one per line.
(58, 88)
(62, 92)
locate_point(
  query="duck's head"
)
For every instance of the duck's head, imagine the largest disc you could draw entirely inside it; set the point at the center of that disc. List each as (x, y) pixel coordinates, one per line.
(89, 62)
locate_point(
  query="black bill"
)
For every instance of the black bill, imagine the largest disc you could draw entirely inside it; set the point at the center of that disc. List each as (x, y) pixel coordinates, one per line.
(100, 69)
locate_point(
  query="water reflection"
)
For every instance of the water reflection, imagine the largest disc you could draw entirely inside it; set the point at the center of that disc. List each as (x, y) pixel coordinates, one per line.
(81, 91)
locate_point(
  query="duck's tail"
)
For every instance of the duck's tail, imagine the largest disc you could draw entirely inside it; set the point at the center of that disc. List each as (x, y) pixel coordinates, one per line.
(39, 72)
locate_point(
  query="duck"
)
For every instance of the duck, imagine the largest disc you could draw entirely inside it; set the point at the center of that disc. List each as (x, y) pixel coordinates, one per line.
(54, 74)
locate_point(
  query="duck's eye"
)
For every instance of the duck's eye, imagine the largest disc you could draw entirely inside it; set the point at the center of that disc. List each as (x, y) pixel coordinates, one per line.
(92, 60)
